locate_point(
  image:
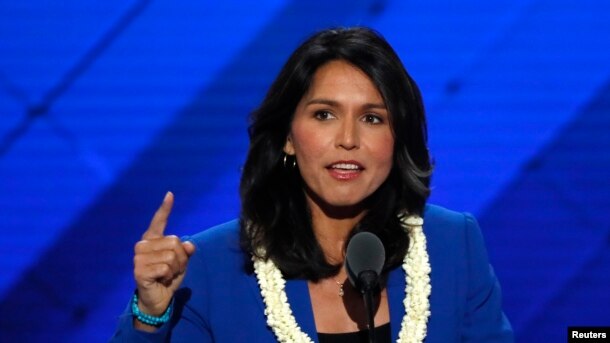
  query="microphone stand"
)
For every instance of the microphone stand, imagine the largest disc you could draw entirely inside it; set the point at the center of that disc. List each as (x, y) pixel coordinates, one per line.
(368, 281)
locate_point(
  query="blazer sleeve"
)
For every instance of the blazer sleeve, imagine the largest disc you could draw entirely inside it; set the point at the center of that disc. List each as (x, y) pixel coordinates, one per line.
(484, 320)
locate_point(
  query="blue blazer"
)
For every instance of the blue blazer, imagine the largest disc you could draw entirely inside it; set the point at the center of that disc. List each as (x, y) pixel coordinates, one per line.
(219, 302)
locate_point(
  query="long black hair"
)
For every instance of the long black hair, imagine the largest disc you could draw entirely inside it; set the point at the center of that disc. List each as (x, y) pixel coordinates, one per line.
(275, 219)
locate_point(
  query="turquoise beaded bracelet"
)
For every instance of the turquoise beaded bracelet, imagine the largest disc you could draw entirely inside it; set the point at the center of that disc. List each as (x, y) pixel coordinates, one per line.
(147, 318)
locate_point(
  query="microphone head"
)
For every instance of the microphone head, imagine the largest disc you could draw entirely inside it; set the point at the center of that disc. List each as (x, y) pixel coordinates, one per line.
(365, 255)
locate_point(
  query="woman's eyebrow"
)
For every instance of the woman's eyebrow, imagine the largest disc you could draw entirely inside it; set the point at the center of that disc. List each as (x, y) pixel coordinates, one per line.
(369, 106)
(329, 102)
(322, 101)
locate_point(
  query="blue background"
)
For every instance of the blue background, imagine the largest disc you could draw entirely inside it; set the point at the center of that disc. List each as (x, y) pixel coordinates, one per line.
(106, 105)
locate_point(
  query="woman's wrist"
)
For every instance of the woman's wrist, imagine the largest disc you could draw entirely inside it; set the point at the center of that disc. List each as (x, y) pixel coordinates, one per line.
(148, 319)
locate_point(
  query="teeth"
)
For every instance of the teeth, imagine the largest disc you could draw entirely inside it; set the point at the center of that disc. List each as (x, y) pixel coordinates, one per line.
(345, 166)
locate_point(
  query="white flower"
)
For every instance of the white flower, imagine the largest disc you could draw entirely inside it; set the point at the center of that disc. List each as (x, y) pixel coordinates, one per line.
(417, 291)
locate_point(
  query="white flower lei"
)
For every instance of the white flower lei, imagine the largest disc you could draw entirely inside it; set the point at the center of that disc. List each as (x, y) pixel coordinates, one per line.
(417, 305)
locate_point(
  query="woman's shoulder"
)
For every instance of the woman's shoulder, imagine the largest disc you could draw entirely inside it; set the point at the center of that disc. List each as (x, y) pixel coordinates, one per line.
(219, 240)
(217, 232)
(438, 214)
(443, 225)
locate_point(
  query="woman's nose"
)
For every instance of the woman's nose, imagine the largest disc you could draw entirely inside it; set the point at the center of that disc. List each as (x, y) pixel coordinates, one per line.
(348, 136)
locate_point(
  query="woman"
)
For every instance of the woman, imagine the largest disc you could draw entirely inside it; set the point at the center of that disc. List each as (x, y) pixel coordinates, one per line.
(337, 147)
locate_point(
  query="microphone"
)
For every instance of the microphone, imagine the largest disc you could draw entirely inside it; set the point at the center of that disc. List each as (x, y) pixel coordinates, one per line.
(364, 260)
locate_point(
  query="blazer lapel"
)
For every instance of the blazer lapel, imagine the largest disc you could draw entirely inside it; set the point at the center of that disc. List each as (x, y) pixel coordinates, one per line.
(300, 303)
(396, 295)
(299, 300)
(255, 289)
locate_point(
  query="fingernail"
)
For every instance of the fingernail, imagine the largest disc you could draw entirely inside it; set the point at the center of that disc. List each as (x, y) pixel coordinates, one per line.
(190, 243)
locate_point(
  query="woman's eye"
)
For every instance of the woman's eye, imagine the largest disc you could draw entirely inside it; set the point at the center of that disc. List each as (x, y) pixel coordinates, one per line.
(323, 115)
(372, 119)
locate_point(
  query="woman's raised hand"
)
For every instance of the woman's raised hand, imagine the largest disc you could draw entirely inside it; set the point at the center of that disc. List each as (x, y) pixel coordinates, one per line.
(159, 262)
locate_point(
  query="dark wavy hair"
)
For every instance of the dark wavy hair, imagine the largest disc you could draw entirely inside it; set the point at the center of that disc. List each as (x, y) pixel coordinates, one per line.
(274, 213)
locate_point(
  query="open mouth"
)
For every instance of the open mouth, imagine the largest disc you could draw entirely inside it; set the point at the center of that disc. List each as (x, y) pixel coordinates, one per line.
(345, 170)
(345, 166)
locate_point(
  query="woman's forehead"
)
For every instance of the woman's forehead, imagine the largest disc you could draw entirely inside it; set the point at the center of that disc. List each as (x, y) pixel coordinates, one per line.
(339, 80)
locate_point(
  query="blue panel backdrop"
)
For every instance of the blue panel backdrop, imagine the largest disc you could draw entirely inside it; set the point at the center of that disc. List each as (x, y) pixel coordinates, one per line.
(105, 106)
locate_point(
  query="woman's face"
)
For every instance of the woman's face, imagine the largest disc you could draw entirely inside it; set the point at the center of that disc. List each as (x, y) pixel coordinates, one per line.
(341, 136)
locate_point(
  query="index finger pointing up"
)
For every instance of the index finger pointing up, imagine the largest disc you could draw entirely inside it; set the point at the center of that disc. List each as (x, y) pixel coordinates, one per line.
(159, 220)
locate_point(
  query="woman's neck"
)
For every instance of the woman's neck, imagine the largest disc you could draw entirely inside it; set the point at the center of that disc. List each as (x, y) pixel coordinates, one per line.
(332, 227)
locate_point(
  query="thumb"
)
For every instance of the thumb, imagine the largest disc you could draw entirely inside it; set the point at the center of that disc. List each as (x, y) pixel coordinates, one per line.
(189, 247)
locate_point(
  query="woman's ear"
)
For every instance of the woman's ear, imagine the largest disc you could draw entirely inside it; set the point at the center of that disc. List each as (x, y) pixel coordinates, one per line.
(288, 147)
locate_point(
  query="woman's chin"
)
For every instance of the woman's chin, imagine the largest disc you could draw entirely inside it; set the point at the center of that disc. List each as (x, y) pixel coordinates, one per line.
(342, 208)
